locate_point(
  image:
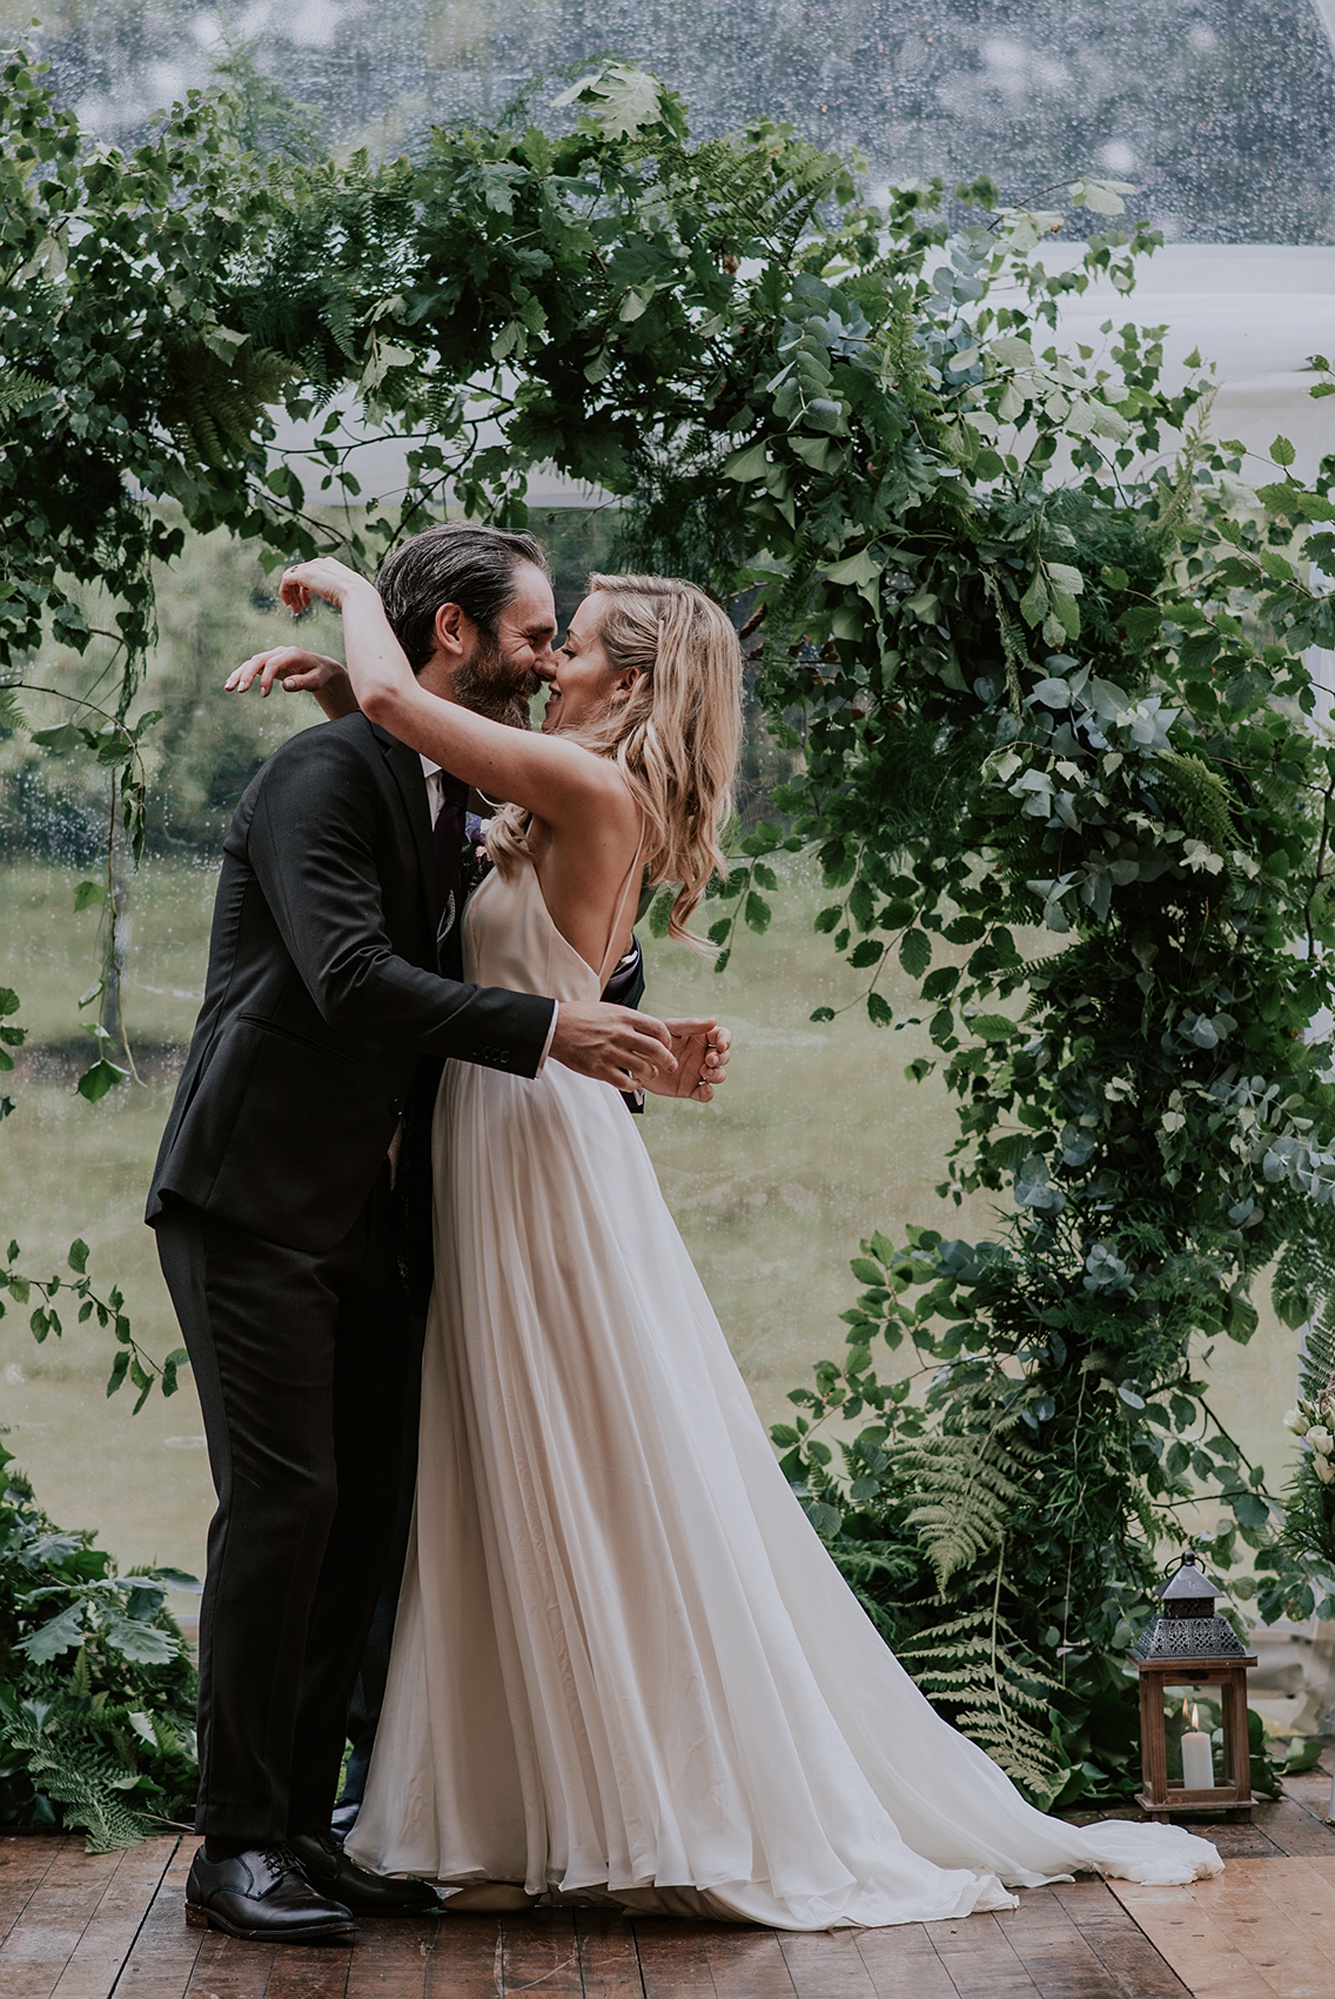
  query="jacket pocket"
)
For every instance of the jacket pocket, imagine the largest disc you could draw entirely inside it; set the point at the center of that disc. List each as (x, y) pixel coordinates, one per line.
(268, 1026)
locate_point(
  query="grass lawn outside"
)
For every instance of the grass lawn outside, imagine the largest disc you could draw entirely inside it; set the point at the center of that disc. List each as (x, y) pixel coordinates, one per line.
(817, 1139)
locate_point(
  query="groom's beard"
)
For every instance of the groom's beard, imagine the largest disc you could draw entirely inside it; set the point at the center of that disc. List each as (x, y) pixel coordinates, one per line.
(492, 685)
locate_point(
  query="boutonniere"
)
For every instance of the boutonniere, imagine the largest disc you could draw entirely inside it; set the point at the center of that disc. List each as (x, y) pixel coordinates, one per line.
(475, 861)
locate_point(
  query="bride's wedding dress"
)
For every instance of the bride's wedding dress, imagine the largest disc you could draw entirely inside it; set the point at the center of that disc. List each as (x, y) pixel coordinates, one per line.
(624, 1660)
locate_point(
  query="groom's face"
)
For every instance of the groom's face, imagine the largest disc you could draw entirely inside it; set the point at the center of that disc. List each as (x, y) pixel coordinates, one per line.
(503, 671)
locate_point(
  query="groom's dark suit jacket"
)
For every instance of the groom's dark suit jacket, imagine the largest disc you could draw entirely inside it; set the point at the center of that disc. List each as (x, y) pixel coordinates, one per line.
(325, 1019)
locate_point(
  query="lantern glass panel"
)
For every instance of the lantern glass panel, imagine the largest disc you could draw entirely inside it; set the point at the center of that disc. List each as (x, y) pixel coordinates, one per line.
(1196, 1710)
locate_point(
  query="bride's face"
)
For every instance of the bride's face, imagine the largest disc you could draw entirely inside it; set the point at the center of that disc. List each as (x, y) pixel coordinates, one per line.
(584, 685)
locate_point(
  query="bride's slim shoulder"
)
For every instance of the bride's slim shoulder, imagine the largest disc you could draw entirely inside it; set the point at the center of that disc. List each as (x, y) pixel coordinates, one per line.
(597, 782)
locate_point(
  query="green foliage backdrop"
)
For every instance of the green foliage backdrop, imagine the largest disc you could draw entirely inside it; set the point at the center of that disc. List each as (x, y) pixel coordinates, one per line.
(1032, 648)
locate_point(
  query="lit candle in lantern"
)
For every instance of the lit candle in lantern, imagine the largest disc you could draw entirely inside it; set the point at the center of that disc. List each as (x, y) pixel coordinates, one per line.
(1197, 1755)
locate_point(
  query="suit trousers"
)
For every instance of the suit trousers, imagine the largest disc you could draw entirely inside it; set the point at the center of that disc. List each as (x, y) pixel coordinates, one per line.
(300, 1362)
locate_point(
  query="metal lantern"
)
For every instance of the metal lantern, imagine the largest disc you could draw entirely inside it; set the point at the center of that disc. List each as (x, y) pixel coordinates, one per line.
(1188, 1646)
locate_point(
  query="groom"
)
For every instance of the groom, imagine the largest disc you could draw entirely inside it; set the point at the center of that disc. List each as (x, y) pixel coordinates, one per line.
(291, 1203)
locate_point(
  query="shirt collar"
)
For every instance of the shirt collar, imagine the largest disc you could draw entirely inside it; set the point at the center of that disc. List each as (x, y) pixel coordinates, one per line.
(430, 768)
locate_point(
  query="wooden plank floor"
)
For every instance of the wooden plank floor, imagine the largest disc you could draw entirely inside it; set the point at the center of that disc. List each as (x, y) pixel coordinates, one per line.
(1270, 1934)
(112, 1927)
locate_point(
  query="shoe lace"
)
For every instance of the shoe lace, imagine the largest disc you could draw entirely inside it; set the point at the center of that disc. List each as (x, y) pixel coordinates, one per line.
(281, 1858)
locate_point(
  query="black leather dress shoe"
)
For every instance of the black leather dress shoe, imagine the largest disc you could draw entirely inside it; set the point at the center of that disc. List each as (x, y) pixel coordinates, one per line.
(263, 1896)
(330, 1871)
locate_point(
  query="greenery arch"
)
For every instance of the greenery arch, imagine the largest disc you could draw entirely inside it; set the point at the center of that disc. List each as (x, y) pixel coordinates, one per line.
(1034, 647)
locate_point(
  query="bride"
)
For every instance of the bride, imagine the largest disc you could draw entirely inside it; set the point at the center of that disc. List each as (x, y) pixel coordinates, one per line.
(624, 1662)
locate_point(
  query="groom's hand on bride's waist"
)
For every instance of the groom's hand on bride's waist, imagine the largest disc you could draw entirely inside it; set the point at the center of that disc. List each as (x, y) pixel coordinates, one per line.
(613, 1044)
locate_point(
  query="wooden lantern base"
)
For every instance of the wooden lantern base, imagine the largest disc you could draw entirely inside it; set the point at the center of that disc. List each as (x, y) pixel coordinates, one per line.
(1162, 1799)
(1198, 1805)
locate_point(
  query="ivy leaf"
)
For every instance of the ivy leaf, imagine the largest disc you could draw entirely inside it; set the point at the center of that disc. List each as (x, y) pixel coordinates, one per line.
(88, 895)
(747, 465)
(862, 571)
(60, 740)
(101, 1077)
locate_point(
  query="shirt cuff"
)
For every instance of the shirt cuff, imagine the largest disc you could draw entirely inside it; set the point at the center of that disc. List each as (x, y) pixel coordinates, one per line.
(551, 1036)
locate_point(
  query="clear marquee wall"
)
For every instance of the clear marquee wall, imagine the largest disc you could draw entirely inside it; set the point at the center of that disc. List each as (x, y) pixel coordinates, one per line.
(1221, 112)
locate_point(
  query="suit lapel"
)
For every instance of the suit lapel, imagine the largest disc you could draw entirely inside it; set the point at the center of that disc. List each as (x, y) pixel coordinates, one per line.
(405, 767)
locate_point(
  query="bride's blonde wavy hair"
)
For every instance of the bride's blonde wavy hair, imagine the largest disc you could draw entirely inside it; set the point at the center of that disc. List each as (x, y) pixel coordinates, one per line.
(675, 738)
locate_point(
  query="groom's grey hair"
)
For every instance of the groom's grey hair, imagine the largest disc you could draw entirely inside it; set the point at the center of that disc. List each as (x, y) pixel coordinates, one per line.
(456, 563)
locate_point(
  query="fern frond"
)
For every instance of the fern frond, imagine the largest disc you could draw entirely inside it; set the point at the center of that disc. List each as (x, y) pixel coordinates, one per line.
(1202, 797)
(81, 1778)
(214, 406)
(761, 195)
(975, 1667)
(17, 389)
(1303, 1291)
(967, 1486)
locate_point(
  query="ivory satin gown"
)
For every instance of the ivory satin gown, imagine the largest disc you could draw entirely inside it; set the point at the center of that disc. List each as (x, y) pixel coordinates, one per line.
(624, 1661)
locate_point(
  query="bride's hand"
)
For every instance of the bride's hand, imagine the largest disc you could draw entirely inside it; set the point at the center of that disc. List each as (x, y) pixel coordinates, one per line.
(701, 1048)
(380, 679)
(324, 577)
(297, 672)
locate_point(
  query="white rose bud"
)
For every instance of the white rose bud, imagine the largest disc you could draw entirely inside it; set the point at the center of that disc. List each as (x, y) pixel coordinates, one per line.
(1321, 1440)
(1325, 1469)
(1295, 1420)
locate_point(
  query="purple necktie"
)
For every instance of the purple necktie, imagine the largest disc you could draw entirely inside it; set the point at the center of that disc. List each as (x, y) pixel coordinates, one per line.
(447, 838)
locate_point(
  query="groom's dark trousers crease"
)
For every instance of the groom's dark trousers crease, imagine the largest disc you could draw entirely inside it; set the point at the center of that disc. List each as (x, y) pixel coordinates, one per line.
(300, 1363)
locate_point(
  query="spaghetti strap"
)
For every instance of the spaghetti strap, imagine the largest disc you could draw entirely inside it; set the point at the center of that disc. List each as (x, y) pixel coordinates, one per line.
(608, 957)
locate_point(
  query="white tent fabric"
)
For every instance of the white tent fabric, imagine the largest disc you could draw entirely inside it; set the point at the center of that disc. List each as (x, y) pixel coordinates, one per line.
(1259, 311)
